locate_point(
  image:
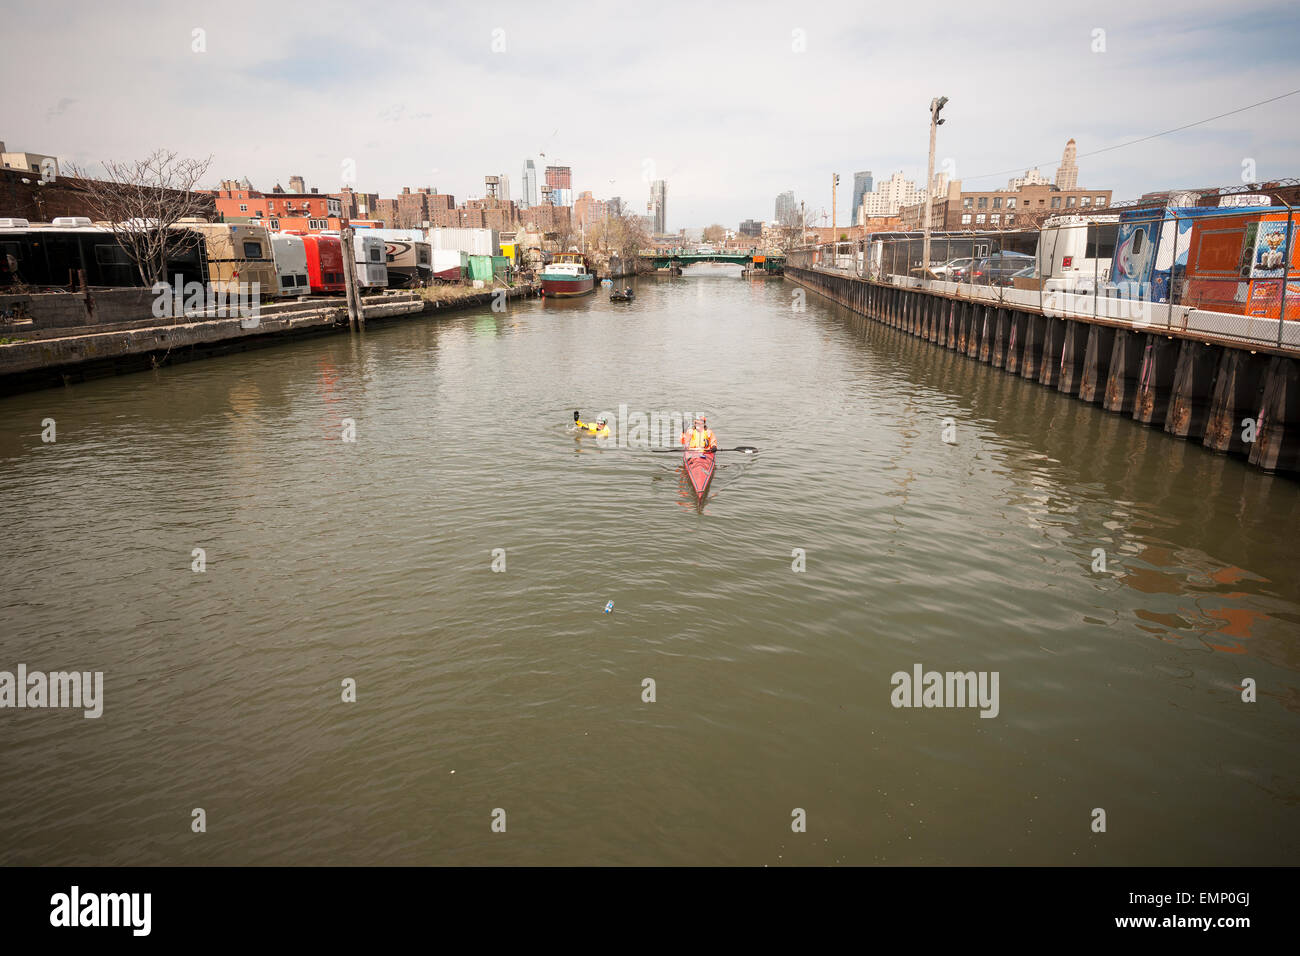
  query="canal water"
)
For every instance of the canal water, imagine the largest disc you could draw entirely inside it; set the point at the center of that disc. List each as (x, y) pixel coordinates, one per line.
(868, 536)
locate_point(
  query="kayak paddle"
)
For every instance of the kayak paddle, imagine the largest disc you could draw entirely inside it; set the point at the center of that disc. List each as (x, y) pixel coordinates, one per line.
(747, 449)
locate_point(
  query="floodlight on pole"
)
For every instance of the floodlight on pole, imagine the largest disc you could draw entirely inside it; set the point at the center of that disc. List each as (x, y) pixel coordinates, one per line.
(936, 105)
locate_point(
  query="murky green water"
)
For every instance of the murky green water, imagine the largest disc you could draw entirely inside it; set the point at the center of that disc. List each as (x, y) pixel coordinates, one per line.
(372, 561)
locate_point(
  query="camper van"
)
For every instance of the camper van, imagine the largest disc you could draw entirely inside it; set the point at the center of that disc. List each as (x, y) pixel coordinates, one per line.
(290, 255)
(1244, 263)
(237, 253)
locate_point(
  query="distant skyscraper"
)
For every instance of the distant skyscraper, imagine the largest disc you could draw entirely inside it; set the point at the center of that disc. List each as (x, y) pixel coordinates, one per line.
(861, 186)
(559, 177)
(529, 185)
(659, 205)
(503, 190)
(1067, 174)
(785, 207)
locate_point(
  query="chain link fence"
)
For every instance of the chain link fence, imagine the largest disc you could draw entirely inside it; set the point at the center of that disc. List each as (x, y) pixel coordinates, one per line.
(1226, 272)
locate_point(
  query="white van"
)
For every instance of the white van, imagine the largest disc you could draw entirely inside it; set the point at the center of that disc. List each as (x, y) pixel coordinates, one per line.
(1075, 252)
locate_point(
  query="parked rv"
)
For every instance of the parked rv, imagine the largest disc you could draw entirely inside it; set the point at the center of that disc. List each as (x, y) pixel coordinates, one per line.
(54, 255)
(369, 256)
(237, 253)
(324, 263)
(372, 270)
(407, 255)
(290, 255)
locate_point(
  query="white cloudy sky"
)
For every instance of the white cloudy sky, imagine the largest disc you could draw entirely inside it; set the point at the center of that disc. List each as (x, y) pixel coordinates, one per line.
(712, 97)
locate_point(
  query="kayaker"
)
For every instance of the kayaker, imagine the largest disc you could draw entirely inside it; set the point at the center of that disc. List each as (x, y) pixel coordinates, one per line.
(700, 436)
(599, 428)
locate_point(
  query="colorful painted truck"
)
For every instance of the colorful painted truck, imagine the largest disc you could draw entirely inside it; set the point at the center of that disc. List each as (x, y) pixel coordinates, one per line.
(1244, 263)
(1151, 250)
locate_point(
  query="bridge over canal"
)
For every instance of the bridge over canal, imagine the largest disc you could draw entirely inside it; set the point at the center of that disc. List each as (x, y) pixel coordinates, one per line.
(680, 258)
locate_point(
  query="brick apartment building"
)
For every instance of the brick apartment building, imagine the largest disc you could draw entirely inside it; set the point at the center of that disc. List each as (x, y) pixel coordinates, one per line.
(547, 218)
(588, 210)
(238, 201)
(1023, 208)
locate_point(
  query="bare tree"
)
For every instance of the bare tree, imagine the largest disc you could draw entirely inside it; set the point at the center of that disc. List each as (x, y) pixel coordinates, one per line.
(790, 230)
(141, 200)
(715, 233)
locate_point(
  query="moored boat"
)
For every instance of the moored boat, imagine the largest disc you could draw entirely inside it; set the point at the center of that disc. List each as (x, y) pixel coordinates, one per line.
(567, 276)
(699, 469)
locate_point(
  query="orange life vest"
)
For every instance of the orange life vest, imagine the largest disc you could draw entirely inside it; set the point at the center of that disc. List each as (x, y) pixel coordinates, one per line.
(699, 439)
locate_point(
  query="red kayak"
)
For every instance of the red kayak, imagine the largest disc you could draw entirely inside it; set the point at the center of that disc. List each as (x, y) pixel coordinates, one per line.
(699, 469)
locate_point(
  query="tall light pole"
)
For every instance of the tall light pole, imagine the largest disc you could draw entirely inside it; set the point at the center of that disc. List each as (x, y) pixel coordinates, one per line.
(835, 181)
(936, 105)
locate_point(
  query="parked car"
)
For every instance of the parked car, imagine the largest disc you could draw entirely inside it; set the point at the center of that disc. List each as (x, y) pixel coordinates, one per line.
(954, 270)
(998, 268)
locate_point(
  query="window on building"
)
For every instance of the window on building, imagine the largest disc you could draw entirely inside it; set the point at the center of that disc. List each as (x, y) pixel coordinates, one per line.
(1011, 203)
(997, 202)
(1011, 220)
(984, 202)
(1069, 200)
(316, 224)
(275, 223)
(1101, 200)
(1056, 202)
(995, 218)
(243, 207)
(968, 202)
(979, 218)
(965, 219)
(1085, 200)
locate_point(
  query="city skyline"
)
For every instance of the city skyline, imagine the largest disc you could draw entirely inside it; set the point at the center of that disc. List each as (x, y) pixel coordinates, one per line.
(721, 159)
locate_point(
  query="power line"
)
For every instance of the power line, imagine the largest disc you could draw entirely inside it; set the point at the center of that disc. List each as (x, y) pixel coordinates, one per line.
(1142, 139)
